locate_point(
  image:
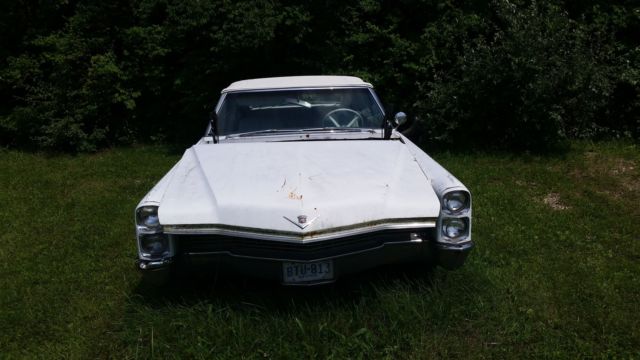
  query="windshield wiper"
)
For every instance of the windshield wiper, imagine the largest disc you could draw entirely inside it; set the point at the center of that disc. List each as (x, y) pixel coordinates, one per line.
(299, 103)
(292, 103)
(263, 132)
(339, 129)
(289, 131)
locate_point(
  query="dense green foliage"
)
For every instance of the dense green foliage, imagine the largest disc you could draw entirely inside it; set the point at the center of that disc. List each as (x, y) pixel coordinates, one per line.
(559, 280)
(83, 74)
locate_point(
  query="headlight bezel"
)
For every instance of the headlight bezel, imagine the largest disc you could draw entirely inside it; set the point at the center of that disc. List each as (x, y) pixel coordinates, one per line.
(454, 214)
(148, 227)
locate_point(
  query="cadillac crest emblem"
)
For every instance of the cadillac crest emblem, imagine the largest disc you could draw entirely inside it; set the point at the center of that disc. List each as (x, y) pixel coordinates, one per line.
(303, 221)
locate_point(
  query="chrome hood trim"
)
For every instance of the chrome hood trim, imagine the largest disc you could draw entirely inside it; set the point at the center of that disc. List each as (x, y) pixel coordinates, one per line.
(296, 237)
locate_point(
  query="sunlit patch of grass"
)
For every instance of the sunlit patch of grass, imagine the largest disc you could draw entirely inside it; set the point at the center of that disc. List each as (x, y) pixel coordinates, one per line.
(542, 281)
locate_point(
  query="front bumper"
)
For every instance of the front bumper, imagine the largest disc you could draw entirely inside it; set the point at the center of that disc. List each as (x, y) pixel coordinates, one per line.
(452, 256)
(154, 265)
(265, 259)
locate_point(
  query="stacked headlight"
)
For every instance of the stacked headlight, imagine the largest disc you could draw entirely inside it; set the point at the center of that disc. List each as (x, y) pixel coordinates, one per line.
(147, 216)
(454, 228)
(455, 202)
(455, 221)
(153, 244)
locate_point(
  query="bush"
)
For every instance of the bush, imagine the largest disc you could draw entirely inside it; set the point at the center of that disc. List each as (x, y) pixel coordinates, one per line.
(517, 75)
(530, 79)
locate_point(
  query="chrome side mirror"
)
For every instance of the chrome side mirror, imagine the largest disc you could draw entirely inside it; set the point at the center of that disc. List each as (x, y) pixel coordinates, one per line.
(400, 118)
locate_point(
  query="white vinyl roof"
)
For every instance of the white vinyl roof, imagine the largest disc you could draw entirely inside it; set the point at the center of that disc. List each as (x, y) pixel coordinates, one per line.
(296, 82)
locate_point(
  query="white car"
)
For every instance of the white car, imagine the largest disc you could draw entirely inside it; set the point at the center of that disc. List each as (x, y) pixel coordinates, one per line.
(303, 179)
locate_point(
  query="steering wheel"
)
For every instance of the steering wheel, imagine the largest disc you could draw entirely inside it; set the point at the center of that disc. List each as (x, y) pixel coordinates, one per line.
(350, 118)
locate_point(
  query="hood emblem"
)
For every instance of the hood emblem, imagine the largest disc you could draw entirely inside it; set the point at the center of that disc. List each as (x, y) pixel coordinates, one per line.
(303, 221)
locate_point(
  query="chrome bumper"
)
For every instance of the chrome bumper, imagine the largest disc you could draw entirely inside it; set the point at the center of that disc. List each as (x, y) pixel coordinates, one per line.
(151, 265)
(452, 256)
(449, 256)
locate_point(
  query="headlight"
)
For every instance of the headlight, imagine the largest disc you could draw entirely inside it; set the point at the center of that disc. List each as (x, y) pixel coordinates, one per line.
(154, 245)
(147, 216)
(454, 228)
(455, 201)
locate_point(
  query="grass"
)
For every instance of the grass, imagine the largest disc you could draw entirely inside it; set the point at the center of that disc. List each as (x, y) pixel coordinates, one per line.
(556, 271)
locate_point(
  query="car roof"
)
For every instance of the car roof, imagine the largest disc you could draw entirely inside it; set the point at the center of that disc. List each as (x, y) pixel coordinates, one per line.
(287, 82)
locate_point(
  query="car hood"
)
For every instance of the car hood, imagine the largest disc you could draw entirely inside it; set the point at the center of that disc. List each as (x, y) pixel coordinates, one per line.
(297, 187)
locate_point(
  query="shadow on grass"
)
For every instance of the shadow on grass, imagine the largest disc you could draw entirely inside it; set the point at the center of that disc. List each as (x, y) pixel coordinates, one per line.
(235, 290)
(243, 314)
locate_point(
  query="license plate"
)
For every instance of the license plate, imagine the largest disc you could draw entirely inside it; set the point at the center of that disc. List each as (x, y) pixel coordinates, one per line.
(299, 272)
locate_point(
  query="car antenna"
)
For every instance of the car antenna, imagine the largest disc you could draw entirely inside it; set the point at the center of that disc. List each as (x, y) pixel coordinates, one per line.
(213, 119)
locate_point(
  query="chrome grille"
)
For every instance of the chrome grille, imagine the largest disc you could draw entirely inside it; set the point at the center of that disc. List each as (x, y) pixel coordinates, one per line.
(206, 244)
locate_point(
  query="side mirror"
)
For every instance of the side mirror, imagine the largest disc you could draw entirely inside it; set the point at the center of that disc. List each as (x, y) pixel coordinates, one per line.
(400, 119)
(389, 125)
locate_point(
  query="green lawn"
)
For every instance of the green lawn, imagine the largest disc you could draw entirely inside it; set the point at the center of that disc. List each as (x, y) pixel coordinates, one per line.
(556, 271)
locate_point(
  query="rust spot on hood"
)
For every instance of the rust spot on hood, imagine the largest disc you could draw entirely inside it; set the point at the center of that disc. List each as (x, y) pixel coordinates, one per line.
(294, 196)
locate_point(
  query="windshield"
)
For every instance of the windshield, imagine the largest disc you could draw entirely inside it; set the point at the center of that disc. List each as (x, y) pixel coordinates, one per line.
(287, 110)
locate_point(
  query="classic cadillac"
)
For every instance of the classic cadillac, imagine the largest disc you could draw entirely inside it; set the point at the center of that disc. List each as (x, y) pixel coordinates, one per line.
(303, 179)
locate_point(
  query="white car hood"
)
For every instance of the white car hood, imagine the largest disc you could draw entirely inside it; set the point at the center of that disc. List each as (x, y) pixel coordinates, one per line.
(259, 185)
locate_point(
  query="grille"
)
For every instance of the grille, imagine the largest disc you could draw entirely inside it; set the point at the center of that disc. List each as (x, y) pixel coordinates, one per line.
(195, 244)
